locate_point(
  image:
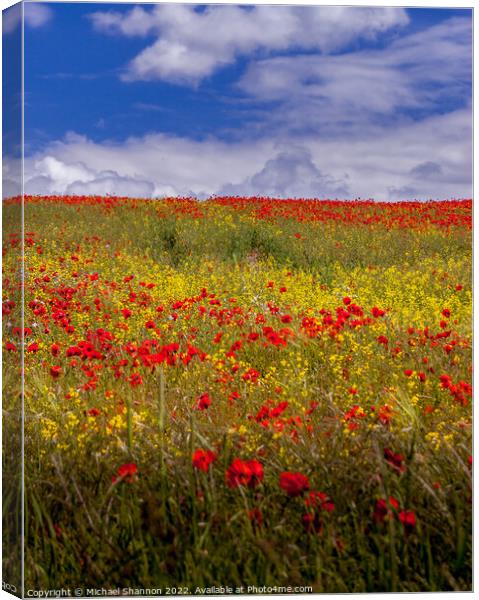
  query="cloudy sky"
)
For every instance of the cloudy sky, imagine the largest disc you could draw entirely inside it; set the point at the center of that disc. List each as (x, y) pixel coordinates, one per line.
(284, 101)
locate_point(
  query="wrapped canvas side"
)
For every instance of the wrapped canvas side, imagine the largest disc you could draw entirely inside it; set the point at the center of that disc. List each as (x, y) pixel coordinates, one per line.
(12, 300)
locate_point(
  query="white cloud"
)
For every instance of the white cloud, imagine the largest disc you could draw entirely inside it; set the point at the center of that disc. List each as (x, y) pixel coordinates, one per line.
(405, 192)
(174, 165)
(51, 175)
(418, 72)
(426, 170)
(112, 184)
(11, 176)
(191, 45)
(36, 15)
(384, 159)
(63, 174)
(427, 159)
(292, 173)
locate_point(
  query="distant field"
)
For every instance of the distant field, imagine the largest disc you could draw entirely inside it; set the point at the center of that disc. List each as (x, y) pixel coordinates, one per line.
(244, 392)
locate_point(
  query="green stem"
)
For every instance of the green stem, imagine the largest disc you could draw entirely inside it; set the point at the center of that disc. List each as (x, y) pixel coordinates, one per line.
(129, 423)
(161, 419)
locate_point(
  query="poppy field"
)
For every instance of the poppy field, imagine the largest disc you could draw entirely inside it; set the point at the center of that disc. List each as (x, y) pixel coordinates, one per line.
(242, 392)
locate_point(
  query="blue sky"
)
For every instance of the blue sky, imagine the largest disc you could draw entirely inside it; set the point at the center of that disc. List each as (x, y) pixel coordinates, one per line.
(283, 101)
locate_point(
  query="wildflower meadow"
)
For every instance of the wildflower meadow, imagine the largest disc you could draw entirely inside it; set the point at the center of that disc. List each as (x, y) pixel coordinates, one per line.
(241, 392)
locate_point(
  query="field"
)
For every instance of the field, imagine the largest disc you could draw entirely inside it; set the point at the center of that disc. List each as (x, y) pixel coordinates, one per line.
(242, 392)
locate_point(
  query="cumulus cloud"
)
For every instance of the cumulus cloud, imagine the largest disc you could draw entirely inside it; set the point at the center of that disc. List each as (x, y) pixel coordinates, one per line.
(112, 184)
(290, 174)
(50, 175)
(417, 72)
(176, 166)
(426, 169)
(11, 176)
(10, 187)
(383, 164)
(406, 192)
(191, 43)
(36, 15)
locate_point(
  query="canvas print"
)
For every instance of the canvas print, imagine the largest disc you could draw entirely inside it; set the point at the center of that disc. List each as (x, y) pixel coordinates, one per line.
(237, 299)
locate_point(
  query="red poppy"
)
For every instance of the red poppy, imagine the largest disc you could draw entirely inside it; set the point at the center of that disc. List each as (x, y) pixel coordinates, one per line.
(294, 484)
(408, 519)
(93, 412)
(256, 516)
(445, 381)
(251, 375)
(126, 473)
(237, 473)
(382, 510)
(248, 472)
(203, 401)
(33, 347)
(256, 473)
(377, 312)
(395, 460)
(312, 523)
(135, 379)
(55, 371)
(319, 500)
(202, 459)
(385, 414)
